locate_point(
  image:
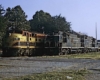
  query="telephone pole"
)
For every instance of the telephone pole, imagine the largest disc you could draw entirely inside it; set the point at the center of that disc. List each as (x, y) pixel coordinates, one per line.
(96, 30)
(96, 33)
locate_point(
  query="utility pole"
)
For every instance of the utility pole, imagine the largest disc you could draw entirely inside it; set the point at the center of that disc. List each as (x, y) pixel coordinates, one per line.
(96, 33)
(96, 30)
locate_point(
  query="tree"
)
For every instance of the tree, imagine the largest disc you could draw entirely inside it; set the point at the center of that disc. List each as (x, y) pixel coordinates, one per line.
(2, 24)
(1, 10)
(41, 21)
(16, 17)
(2, 19)
(44, 22)
(60, 23)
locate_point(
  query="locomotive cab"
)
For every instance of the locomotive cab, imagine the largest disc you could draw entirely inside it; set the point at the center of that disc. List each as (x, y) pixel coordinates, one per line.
(52, 44)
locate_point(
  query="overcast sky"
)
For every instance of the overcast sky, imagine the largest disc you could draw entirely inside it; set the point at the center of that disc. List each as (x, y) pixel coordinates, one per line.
(83, 14)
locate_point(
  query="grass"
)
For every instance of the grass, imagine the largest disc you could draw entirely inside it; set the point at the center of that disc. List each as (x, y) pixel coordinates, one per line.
(93, 55)
(56, 75)
(64, 74)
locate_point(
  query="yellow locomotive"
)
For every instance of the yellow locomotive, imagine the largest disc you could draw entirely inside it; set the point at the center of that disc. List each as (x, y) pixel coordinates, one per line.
(18, 43)
(21, 43)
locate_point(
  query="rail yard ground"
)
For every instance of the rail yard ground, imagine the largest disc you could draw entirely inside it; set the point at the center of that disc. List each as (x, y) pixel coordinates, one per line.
(74, 66)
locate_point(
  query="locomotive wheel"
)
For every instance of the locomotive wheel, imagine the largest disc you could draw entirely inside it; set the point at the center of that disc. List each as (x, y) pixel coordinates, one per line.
(67, 51)
(61, 52)
(20, 52)
(16, 52)
(30, 52)
(87, 50)
(64, 52)
(83, 51)
(78, 51)
(25, 52)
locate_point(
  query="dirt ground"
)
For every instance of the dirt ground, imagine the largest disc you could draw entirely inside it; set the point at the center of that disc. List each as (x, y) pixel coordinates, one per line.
(20, 66)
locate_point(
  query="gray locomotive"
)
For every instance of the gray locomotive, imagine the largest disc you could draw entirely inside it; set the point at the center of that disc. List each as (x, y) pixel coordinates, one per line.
(63, 43)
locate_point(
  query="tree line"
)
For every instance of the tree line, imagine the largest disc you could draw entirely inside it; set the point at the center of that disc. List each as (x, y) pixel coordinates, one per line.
(41, 21)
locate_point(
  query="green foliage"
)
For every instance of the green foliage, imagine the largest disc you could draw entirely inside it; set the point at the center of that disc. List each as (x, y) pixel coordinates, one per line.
(2, 19)
(91, 55)
(16, 17)
(44, 22)
(2, 24)
(41, 21)
(60, 23)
